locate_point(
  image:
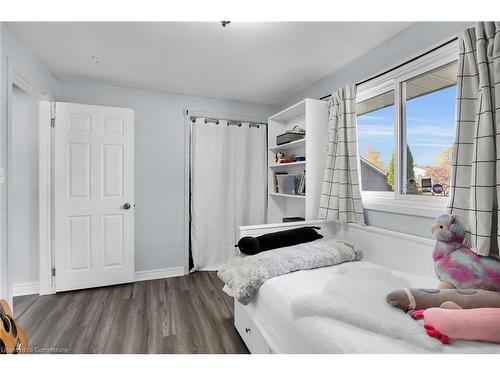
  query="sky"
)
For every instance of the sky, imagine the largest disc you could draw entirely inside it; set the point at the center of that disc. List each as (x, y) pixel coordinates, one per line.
(430, 127)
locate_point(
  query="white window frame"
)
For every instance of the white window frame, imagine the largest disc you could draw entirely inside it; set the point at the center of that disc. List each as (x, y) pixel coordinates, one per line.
(396, 202)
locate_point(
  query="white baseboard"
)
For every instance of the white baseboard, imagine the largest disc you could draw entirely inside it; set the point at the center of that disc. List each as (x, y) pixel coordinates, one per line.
(24, 289)
(159, 274)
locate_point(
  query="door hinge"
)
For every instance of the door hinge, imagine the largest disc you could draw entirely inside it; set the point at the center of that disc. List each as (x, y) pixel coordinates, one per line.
(53, 122)
(53, 271)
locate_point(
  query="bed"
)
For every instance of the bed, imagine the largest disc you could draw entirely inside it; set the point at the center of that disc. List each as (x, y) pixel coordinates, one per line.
(270, 322)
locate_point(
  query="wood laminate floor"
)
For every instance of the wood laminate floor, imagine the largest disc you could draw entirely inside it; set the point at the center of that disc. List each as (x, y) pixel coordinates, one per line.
(188, 314)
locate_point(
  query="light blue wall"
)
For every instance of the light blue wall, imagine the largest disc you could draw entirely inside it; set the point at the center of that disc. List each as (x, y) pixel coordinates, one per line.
(23, 188)
(17, 57)
(404, 45)
(419, 226)
(401, 47)
(159, 161)
(159, 153)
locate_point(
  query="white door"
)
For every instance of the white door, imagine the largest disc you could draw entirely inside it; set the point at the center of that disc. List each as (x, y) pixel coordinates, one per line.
(93, 196)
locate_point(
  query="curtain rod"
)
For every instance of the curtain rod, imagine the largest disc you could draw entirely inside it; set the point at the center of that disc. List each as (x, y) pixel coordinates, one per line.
(400, 65)
(229, 121)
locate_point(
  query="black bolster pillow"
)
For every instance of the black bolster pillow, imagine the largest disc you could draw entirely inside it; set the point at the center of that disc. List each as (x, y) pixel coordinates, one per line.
(290, 237)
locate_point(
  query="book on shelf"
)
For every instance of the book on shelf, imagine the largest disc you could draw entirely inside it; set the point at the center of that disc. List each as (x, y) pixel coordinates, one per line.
(276, 186)
(301, 183)
(286, 184)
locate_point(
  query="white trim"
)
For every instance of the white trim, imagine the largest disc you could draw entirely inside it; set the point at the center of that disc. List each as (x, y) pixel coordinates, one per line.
(371, 89)
(269, 227)
(7, 162)
(430, 61)
(45, 198)
(28, 87)
(14, 78)
(430, 207)
(390, 233)
(451, 40)
(433, 201)
(295, 107)
(159, 274)
(25, 289)
(403, 208)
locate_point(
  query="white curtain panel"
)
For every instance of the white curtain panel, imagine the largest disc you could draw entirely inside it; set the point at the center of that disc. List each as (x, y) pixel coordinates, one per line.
(340, 194)
(228, 188)
(475, 177)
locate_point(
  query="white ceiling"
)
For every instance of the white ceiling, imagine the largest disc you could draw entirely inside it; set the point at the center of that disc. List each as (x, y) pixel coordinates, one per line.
(256, 62)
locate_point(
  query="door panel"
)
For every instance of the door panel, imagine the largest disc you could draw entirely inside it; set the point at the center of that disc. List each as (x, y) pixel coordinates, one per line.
(93, 179)
(113, 240)
(78, 170)
(112, 169)
(79, 242)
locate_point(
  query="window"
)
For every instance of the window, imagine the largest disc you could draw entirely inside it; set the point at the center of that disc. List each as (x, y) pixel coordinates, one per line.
(376, 141)
(406, 126)
(429, 130)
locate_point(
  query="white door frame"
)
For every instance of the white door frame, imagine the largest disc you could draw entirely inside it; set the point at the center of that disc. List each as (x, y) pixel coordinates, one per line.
(14, 78)
(45, 199)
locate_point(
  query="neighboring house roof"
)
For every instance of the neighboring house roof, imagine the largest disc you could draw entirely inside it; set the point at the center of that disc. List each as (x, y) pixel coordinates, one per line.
(371, 166)
(420, 171)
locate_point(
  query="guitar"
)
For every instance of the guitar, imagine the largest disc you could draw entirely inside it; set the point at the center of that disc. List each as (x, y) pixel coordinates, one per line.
(12, 337)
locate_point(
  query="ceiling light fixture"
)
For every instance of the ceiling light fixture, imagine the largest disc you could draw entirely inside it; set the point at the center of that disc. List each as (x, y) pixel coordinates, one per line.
(225, 23)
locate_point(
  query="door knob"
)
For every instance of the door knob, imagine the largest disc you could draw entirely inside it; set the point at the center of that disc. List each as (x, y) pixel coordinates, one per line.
(126, 206)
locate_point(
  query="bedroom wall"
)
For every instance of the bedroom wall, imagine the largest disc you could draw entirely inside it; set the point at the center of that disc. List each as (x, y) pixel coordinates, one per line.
(159, 153)
(408, 43)
(16, 56)
(159, 161)
(160, 137)
(23, 188)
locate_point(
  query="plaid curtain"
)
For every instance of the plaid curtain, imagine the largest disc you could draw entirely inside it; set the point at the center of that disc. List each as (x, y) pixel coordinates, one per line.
(475, 180)
(340, 194)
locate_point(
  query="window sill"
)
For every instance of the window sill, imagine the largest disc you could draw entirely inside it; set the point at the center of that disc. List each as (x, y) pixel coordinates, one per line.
(405, 206)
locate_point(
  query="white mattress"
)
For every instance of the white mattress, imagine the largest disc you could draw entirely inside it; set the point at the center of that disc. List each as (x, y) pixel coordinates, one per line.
(271, 312)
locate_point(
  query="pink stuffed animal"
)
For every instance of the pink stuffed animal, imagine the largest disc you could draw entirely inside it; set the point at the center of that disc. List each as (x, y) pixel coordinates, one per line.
(458, 266)
(452, 323)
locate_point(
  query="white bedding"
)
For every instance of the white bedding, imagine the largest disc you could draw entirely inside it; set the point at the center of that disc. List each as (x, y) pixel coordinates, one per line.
(271, 310)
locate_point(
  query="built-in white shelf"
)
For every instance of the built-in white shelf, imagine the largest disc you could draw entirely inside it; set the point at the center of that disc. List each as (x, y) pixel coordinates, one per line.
(299, 143)
(288, 195)
(312, 116)
(291, 112)
(294, 164)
